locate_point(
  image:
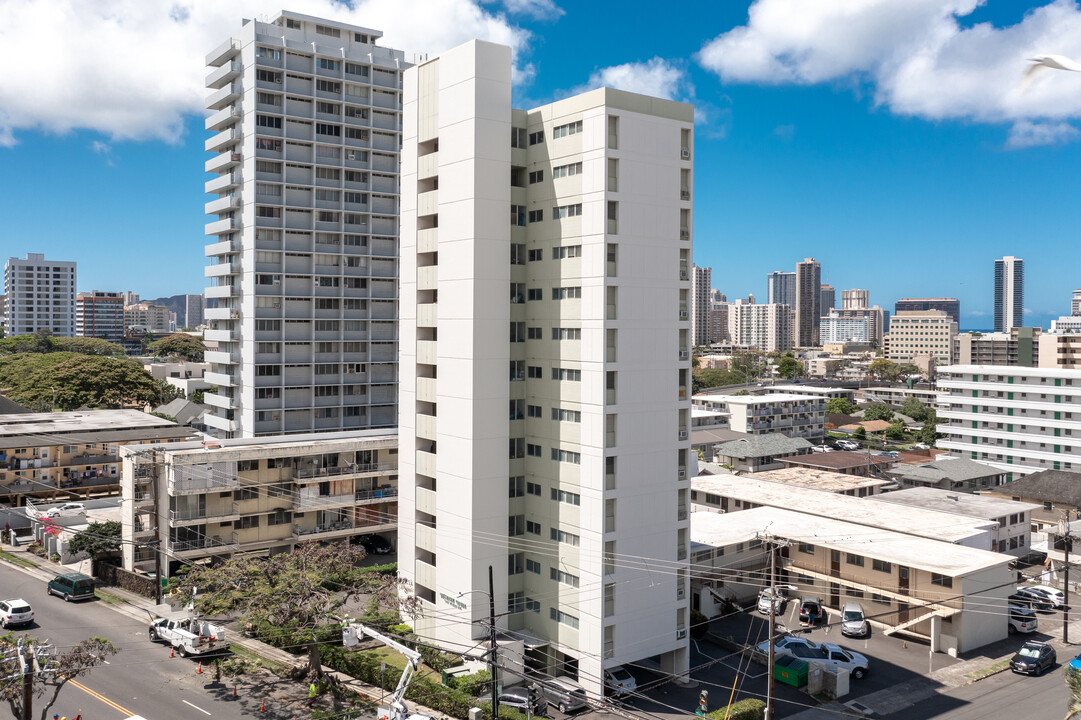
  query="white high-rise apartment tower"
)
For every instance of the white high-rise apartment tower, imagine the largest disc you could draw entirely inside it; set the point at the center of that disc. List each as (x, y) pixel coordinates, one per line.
(854, 300)
(40, 295)
(1009, 293)
(701, 288)
(306, 115)
(545, 367)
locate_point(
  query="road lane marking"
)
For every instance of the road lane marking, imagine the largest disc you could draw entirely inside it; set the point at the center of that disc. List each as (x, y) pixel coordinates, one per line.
(99, 696)
(195, 706)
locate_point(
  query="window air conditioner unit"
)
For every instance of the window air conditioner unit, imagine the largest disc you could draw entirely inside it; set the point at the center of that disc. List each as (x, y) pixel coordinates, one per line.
(682, 314)
(685, 153)
(680, 593)
(683, 354)
(685, 194)
(682, 434)
(681, 633)
(682, 474)
(684, 234)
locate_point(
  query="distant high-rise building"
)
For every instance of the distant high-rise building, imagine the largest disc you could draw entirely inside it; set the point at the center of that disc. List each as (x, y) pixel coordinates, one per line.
(855, 299)
(781, 288)
(148, 317)
(701, 286)
(194, 307)
(915, 334)
(306, 116)
(41, 295)
(808, 303)
(717, 296)
(718, 322)
(876, 320)
(836, 328)
(950, 306)
(1009, 293)
(100, 315)
(764, 327)
(4, 312)
(131, 298)
(829, 299)
(1075, 303)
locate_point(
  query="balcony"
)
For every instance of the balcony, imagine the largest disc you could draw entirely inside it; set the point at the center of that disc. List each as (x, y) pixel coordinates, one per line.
(220, 98)
(222, 358)
(222, 140)
(224, 74)
(224, 161)
(329, 531)
(201, 485)
(220, 423)
(219, 335)
(221, 291)
(428, 277)
(226, 51)
(229, 203)
(216, 378)
(223, 119)
(305, 501)
(214, 544)
(367, 497)
(221, 270)
(220, 227)
(222, 183)
(199, 515)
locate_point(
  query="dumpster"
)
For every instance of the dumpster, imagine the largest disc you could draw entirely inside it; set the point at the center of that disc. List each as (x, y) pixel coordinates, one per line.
(790, 670)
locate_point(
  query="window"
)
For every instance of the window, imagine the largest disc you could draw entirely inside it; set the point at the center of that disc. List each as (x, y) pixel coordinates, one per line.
(881, 599)
(356, 198)
(352, 133)
(536, 255)
(267, 370)
(534, 333)
(567, 497)
(562, 171)
(533, 450)
(566, 251)
(564, 211)
(566, 374)
(534, 294)
(328, 86)
(533, 372)
(532, 605)
(941, 580)
(328, 129)
(563, 618)
(567, 293)
(515, 602)
(569, 129)
(517, 215)
(515, 525)
(566, 415)
(268, 121)
(564, 577)
(566, 333)
(564, 537)
(807, 548)
(536, 216)
(247, 465)
(536, 176)
(853, 559)
(268, 76)
(535, 138)
(532, 528)
(247, 522)
(533, 566)
(354, 69)
(328, 31)
(881, 566)
(517, 137)
(853, 592)
(265, 52)
(533, 411)
(327, 64)
(279, 517)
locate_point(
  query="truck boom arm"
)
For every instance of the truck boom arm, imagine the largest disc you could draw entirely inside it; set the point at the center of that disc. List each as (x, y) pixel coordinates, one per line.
(351, 634)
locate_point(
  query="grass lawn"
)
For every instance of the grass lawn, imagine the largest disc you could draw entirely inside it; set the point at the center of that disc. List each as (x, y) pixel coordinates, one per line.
(396, 663)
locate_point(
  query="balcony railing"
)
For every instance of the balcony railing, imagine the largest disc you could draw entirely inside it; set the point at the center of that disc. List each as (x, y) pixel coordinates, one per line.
(202, 513)
(216, 542)
(377, 494)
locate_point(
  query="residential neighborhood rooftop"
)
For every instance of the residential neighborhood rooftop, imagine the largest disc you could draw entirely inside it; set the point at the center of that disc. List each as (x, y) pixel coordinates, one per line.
(968, 504)
(947, 527)
(718, 530)
(82, 426)
(817, 479)
(957, 469)
(765, 445)
(840, 460)
(1061, 487)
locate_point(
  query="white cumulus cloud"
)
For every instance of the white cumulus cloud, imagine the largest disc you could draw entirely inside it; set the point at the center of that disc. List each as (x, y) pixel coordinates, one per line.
(915, 55)
(1025, 133)
(657, 77)
(539, 9)
(131, 69)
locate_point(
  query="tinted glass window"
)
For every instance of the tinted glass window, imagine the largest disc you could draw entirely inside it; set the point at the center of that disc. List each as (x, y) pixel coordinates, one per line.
(81, 584)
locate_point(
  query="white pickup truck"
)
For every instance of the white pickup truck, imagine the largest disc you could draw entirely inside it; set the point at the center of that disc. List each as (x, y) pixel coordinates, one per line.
(188, 635)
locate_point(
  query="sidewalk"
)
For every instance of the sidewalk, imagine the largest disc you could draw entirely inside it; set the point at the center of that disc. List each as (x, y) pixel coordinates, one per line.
(138, 607)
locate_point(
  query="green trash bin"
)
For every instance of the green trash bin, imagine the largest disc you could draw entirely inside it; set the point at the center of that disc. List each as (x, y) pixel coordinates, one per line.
(790, 670)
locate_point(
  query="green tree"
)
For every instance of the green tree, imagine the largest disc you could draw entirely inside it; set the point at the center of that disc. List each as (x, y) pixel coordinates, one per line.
(197, 397)
(896, 431)
(43, 342)
(702, 379)
(878, 411)
(883, 369)
(167, 392)
(789, 367)
(927, 434)
(297, 592)
(179, 345)
(99, 539)
(859, 433)
(914, 409)
(742, 392)
(1073, 684)
(78, 380)
(840, 406)
(748, 364)
(60, 668)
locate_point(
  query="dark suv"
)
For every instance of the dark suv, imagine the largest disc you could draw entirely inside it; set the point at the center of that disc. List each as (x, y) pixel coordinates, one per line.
(1034, 658)
(71, 586)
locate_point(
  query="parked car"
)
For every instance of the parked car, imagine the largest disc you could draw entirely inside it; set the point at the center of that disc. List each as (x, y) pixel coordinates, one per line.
(66, 509)
(521, 699)
(892, 454)
(1020, 619)
(15, 612)
(375, 544)
(921, 446)
(1053, 594)
(795, 645)
(848, 444)
(854, 620)
(1038, 600)
(767, 603)
(564, 694)
(1075, 665)
(619, 682)
(810, 609)
(71, 586)
(1034, 658)
(838, 658)
(821, 448)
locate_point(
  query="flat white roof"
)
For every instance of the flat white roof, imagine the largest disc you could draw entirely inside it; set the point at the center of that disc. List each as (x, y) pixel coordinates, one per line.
(772, 398)
(949, 501)
(1015, 370)
(947, 527)
(809, 389)
(697, 412)
(331, 440)
(17, 424)
(723, 529)
(820, 479)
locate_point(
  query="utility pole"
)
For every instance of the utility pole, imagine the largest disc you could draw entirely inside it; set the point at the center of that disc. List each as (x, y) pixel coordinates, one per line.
(772, 626)
(1066, 546)
(491, 635)
(157, 570)
(28, 659)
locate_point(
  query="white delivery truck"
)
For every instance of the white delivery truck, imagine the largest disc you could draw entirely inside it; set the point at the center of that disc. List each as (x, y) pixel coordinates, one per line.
(190, 636)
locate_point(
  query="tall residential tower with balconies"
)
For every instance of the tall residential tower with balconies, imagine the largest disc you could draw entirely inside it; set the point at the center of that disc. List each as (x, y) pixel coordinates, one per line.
(303, 249)
(545, 358)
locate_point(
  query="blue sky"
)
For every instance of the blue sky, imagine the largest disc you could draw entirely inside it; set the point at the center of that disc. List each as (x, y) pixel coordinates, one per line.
(894, 144)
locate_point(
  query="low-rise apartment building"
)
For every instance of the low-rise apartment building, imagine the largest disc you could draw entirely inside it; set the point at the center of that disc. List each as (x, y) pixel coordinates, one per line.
(895, 396)
(802, 416)
(1018, 419)
(950, 595)
(829, 393)
(62, 455)
(1018, 346)
(948, 473)
(1012, 520)
(755, 453)
(264, 495)
(844, 462)
(1052, 496)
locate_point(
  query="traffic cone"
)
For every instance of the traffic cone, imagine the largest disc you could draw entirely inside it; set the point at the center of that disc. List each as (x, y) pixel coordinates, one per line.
(262, 708)
(234, 689)
(199, 670)
(172, 651)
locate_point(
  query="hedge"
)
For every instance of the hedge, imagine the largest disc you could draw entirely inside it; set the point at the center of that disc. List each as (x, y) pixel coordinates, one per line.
(449, 701)
(749, 709)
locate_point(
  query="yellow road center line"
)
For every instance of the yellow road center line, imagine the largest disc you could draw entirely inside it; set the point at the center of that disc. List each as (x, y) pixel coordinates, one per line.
(99, 696)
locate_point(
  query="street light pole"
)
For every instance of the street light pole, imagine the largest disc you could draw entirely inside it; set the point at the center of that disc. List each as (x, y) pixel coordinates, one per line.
(491, 635)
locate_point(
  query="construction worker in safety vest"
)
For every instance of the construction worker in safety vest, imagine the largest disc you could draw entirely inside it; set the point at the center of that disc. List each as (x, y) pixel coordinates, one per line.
(311, 694)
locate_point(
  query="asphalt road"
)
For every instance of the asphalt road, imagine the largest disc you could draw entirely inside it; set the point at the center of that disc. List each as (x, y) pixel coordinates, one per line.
(1005, 696)
(140, 679)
